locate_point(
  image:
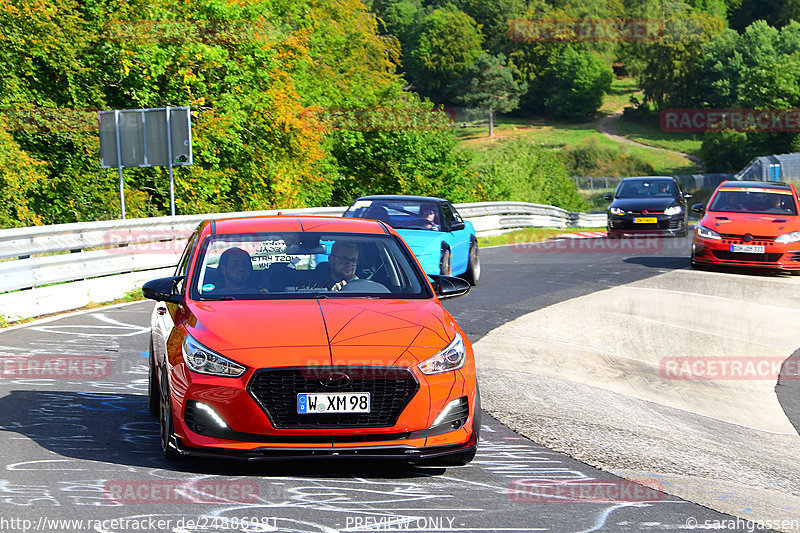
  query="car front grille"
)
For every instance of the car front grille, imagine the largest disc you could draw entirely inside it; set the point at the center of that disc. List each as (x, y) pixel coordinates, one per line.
(726, 255)
(276, 390)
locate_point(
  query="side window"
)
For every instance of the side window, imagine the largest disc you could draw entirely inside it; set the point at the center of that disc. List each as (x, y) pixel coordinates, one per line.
(450, 215)
(183, 265)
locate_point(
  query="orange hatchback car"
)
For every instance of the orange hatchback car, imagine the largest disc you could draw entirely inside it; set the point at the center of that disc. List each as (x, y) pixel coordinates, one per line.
(749, 223)
(298, 337)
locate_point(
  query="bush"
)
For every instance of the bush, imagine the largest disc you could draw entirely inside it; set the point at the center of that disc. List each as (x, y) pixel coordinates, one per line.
(591, 159)
(521, 171)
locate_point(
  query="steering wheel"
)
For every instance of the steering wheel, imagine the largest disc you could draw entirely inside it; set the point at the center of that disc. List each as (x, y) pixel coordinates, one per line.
(365, 285)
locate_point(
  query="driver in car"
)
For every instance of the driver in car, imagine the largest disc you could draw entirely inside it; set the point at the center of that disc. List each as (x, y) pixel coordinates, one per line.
(343, 260)
(429, 215)
(237, 270)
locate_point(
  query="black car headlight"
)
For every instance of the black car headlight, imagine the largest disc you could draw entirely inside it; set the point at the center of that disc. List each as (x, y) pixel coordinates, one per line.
(616, 211)
(451, 358)
(674, 210)
(206, 361)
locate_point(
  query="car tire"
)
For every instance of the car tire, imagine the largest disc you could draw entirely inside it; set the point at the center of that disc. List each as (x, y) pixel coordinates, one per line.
(153, 393)
(167, 423)
(445, 266)
(473, 273)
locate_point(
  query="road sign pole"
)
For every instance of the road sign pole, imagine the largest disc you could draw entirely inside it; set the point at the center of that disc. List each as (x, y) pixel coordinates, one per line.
(169, 156)
(119, 165)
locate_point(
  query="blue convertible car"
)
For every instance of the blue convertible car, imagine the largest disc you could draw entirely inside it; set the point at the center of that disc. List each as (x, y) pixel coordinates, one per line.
(433, 229)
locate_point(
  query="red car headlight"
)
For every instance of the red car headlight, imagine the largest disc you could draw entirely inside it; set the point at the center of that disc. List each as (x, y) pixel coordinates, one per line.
(206, 361)
(451, 358)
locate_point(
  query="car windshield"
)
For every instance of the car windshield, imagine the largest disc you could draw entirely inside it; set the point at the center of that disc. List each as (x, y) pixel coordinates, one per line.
(754, 200)
(647, 189)
(305, 265)
(400, 214)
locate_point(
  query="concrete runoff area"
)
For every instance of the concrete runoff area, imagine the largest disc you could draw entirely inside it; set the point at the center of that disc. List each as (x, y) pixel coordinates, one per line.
(591, 377)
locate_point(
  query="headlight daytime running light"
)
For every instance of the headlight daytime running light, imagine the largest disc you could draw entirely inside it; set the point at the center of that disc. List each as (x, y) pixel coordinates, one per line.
(205, 361)
(788, 238)
(706, 233)
(452, 357)
(674, 210)
(617, 211)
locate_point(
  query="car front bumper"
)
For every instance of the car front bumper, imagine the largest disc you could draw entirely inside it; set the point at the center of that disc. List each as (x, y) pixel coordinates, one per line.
(664, 225)
(719, 252)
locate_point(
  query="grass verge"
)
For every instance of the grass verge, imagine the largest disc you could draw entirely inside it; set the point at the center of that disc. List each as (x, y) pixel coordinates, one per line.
(529, 235)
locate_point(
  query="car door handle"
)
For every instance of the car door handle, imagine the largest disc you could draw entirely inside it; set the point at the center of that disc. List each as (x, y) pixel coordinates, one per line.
(161, 310)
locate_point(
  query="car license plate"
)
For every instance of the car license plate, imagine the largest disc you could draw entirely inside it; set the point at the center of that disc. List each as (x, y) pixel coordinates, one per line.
(747, 248)
(645, 220)
(333, 402)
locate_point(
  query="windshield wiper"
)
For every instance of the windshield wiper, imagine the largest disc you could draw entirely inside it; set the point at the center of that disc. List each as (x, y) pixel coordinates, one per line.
(216, 298)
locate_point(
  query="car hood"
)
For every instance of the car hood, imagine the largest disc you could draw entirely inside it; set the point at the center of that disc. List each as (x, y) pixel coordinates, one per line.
(651, 204)
(754, 224)
(362, 332)
(421, 241)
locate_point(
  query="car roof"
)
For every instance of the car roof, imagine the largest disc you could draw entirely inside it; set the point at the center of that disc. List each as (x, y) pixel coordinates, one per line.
(648, 178)
(401, 197)
(759, 184)
(230, 226)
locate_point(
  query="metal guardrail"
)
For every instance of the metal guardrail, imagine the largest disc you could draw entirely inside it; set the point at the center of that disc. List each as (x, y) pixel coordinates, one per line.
(47, 269)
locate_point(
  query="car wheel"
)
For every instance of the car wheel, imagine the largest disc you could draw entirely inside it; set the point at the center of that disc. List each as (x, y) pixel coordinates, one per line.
(473, 272)
(167, 424)
(153, 394)
(445, 268)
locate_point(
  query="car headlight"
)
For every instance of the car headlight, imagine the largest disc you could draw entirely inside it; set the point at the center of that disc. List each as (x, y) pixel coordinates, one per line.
(616, 211)
(451, 358)
(674, 210)
(205, 361)
(706, 233)
(787, 238)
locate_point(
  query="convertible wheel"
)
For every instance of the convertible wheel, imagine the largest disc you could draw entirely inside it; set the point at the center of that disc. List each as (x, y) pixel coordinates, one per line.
(445, 268)
(153, 393)
(473, 272)
(167, 426)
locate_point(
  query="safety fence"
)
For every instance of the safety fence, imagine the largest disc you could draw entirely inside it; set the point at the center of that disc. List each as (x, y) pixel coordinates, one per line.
(49, 269)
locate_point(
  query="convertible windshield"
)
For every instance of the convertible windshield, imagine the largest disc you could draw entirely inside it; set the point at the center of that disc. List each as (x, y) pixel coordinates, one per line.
(754, 200)
(647, 189)
(305, 265)
(400, 214)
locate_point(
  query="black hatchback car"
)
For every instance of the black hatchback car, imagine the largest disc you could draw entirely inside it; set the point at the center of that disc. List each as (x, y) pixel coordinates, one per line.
(652, 205)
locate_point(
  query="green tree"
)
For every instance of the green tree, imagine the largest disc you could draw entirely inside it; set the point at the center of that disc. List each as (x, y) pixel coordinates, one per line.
(489, 84)
(575, 84)
(446, 42)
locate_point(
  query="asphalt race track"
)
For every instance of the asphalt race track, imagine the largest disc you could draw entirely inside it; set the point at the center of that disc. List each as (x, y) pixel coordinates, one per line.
(87, 449)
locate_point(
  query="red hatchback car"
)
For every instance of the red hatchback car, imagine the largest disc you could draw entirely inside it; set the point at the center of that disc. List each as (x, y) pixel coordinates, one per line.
(749, 223)
(296, 337)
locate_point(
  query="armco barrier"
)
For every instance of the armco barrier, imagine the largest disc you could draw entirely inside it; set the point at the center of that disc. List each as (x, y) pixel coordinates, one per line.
(49, 269)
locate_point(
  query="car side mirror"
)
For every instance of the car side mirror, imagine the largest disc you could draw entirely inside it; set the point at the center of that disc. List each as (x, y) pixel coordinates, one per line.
(457, 225)
(449, 286)
(163, 289)
(608, 196)
(699, 208)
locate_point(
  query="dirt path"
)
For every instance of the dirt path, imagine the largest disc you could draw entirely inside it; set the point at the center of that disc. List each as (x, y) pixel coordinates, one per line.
(608, 127)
